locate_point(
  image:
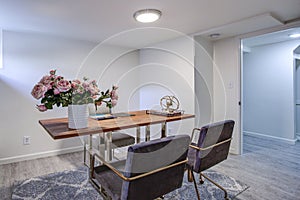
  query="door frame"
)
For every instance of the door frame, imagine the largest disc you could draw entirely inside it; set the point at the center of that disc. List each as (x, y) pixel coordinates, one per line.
(241, 38)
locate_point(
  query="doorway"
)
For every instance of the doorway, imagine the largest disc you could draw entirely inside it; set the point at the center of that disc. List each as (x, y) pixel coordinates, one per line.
(268, 86)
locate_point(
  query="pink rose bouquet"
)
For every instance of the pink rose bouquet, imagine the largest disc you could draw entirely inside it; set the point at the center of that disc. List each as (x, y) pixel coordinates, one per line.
(55, 90)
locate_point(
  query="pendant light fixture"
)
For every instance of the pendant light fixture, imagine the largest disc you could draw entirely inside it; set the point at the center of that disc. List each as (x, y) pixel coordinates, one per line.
(147, 15)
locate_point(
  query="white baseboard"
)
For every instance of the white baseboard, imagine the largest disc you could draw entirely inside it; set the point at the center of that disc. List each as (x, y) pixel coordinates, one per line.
(40, 155)
(233, 151)
(263, 136)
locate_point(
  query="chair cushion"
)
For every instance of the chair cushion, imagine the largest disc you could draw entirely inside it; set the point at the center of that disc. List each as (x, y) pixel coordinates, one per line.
(111, 182)
(122, 139)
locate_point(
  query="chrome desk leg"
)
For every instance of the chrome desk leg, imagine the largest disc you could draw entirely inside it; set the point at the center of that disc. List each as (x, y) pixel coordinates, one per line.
(101, 145)
(147, 132)
(108, 141)
(163, 129)
(90, 149)
(138, 134)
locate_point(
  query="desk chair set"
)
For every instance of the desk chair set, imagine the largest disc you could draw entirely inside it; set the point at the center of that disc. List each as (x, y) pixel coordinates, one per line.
(155, 168)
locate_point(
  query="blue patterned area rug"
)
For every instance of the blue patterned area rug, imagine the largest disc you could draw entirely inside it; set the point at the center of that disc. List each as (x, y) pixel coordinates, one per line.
(75, 185)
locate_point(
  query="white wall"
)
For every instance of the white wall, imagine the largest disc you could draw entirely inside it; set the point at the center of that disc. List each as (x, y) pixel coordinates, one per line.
(27, 57)
(114, 65)
(269, 90)
(203, 81)
(168, 69)
(143, 77)
(227, 86)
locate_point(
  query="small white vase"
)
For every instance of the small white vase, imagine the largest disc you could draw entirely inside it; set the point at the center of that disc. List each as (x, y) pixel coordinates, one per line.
(78, 116)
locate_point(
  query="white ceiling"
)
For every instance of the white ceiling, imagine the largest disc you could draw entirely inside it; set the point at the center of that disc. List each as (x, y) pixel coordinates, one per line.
(97, 20)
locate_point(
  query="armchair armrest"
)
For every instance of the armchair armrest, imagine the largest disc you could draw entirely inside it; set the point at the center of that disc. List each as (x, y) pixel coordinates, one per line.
(195, 129)
(209, 147)
(117, 172)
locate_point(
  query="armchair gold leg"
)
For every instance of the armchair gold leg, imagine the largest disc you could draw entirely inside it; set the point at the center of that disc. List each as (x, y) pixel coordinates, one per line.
(216, 184)
(102, 192)
(201, 179)
(190, 175)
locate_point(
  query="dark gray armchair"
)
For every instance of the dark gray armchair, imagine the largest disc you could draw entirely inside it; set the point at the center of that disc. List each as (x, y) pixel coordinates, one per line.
(152, 169)
(212, 147)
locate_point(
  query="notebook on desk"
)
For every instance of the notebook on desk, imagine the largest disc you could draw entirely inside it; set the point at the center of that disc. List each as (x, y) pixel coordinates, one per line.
(102, 116)
(110, 116)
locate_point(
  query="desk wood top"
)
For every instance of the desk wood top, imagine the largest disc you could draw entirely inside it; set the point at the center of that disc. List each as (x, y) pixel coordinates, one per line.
(58, 127)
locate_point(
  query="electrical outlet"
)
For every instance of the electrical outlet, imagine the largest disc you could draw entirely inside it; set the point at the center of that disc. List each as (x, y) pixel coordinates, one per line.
(26, 140)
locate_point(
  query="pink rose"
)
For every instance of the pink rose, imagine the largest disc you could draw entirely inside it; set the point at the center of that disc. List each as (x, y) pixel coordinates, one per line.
(46, 80)
(74, 85)
(114, 95)
(58, 78)
(114, 102)
(41, 107)
(56, 91)
(52, 72)
(38, 91)
(49, 87)
(85, 84)
(63, 85)
(93, 90)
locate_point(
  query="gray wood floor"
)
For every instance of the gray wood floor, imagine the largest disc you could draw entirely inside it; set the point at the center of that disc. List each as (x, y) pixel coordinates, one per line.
(271, 169)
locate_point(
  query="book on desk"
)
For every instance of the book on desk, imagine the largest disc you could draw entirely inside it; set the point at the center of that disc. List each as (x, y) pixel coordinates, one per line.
(110, 116)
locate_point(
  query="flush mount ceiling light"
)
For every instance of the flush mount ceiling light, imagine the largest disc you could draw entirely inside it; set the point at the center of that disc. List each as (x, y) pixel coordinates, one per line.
(296, 35)
(147, 15)
(215, 35)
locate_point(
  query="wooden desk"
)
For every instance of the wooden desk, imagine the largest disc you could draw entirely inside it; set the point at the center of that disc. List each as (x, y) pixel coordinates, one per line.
(58, 128)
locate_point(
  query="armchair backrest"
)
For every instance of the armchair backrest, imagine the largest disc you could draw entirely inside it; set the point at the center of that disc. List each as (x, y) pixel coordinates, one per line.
(152, 155)
(219, 133)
